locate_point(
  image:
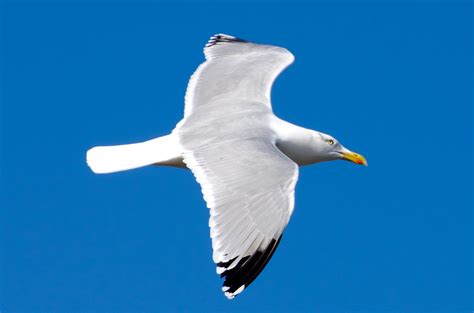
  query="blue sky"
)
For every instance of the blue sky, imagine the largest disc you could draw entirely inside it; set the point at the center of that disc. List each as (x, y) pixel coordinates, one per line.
(391, 80)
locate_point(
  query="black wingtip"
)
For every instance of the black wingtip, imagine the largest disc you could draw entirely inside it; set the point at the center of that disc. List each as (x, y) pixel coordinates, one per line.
(244, 273)
(220, 38)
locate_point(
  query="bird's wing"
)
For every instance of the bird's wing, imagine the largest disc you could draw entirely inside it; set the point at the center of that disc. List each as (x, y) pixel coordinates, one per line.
(229, 145)
(248, 184)
(235, 69)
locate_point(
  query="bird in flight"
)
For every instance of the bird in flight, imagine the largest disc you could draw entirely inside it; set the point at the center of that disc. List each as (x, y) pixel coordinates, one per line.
(245, 158)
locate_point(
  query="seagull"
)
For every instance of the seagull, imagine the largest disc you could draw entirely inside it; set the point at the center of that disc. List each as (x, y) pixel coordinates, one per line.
(245, 158)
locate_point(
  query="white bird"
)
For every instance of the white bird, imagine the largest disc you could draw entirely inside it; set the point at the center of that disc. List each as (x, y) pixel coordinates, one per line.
(244, 157)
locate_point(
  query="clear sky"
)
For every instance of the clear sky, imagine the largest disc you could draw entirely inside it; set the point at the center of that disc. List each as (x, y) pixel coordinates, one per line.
(390, 80)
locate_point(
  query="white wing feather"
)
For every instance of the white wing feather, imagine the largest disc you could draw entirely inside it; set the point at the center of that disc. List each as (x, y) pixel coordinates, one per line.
(235, 68)
(247, 182)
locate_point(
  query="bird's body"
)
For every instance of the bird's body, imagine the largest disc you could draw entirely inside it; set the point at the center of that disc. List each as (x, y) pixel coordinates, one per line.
(245, 158)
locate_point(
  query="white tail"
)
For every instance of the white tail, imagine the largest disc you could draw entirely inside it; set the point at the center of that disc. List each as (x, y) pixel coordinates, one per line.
(109, 159)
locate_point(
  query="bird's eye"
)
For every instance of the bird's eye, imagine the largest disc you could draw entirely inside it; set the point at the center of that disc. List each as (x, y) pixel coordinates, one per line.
(330, 141)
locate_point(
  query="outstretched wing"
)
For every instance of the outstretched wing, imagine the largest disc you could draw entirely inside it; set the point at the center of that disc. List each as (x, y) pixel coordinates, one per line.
(235, 69)
(247, 182)
(248, 185)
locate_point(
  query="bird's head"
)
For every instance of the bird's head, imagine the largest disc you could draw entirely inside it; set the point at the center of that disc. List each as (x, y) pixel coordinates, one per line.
(333, 150)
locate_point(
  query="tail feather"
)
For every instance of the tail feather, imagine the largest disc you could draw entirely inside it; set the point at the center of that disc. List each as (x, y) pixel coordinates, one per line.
(109, 159)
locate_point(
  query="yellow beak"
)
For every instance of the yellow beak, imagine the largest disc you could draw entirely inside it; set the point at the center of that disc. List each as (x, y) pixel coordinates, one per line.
(354, 157)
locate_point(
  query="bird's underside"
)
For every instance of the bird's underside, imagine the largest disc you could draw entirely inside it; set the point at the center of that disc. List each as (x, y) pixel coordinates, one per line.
(226, 139)
(244, 157)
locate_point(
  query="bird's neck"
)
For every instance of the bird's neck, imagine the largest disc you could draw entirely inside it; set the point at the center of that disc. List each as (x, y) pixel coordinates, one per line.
(297, 143)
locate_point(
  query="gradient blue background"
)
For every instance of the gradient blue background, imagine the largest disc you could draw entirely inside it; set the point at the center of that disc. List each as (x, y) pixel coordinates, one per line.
(391, 80)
